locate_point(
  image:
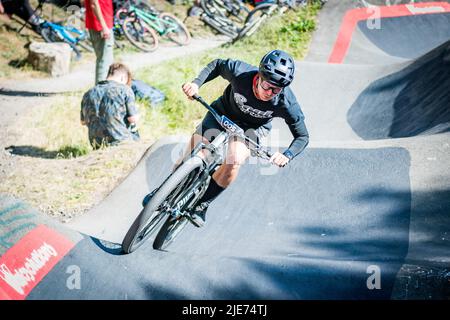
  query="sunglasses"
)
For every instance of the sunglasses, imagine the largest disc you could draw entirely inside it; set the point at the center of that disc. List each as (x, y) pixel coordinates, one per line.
(266, 87)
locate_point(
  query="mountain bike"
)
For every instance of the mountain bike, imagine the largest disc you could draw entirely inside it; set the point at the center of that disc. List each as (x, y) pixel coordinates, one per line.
(217, 19)
(182, 189)
(144, 16)
(138, 32)
(261, 13)
(57, 32)
(53, 32)
(226, 8)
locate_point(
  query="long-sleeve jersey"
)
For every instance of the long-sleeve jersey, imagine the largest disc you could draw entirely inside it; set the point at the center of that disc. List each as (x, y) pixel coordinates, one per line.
(239, 103)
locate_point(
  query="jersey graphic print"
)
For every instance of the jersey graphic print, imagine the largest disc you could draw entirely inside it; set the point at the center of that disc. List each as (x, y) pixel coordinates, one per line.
(241, 100)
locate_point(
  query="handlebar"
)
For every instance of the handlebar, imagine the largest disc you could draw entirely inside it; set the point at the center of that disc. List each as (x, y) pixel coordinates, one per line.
(234, 128)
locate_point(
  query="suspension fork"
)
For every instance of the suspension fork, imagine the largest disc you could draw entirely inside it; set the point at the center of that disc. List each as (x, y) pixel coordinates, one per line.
(212, 147)
(211, 161)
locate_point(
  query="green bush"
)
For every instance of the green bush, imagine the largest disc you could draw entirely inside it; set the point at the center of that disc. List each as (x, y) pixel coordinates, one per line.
(73, 151)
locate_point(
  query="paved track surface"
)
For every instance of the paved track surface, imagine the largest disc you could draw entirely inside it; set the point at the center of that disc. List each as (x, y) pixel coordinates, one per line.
(371, 192)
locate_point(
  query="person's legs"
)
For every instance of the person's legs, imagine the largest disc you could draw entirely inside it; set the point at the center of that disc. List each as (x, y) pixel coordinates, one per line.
(20, 8)
(207, 131)
(107, 57)
(237, 153)
(97, 43)
(104, 54)
(195, 139)
(27, 10)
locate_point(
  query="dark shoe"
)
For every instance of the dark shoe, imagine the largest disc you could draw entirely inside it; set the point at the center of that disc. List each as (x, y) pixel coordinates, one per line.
(37, 24)
(148, 197)
(198, 216)
(37, 28)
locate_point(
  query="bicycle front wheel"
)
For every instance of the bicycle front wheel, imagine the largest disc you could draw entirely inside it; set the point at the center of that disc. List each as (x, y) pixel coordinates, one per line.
(223, 26)
(166, 197)
(255, 18)
(140, 35)
(178, 32)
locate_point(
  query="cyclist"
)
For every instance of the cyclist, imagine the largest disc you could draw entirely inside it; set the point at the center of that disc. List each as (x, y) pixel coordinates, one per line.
(253, 97)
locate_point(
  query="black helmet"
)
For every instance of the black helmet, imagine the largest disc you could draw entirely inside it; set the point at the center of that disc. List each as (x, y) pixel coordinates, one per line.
(277, 67)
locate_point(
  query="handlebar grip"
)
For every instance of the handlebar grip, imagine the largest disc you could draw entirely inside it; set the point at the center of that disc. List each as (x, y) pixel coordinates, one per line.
(203, 102)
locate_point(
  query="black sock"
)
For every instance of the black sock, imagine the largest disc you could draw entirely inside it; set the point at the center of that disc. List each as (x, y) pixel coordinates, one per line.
(212, 192)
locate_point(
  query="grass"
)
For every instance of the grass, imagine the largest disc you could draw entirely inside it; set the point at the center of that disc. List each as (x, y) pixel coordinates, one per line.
(57, 127)
(61, 174)
(73, 151)
(13, 52)
(13, 46)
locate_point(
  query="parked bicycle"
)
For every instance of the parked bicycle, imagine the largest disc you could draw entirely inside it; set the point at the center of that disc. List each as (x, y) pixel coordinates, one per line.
(226, 8)
(261, 13)
(57, 32)
(179, 193)
(226, 16)
(217, 18)
(53, 32)
(143, 23)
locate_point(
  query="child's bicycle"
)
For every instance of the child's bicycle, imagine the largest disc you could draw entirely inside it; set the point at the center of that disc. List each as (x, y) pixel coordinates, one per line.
(56, 32)
(181, 190)
(143, 22)
(53, 32)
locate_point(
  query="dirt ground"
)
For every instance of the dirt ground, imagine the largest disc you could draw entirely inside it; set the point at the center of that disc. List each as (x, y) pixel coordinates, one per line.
(19, 160)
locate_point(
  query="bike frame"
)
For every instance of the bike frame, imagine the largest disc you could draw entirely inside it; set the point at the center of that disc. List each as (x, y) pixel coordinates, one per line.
(231, 129)
(65, 32)
(152, 19)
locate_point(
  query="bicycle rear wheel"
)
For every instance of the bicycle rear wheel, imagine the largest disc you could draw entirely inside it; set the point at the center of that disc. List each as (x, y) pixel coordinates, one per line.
(166, 197)
(51, 36)
(140, 35)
